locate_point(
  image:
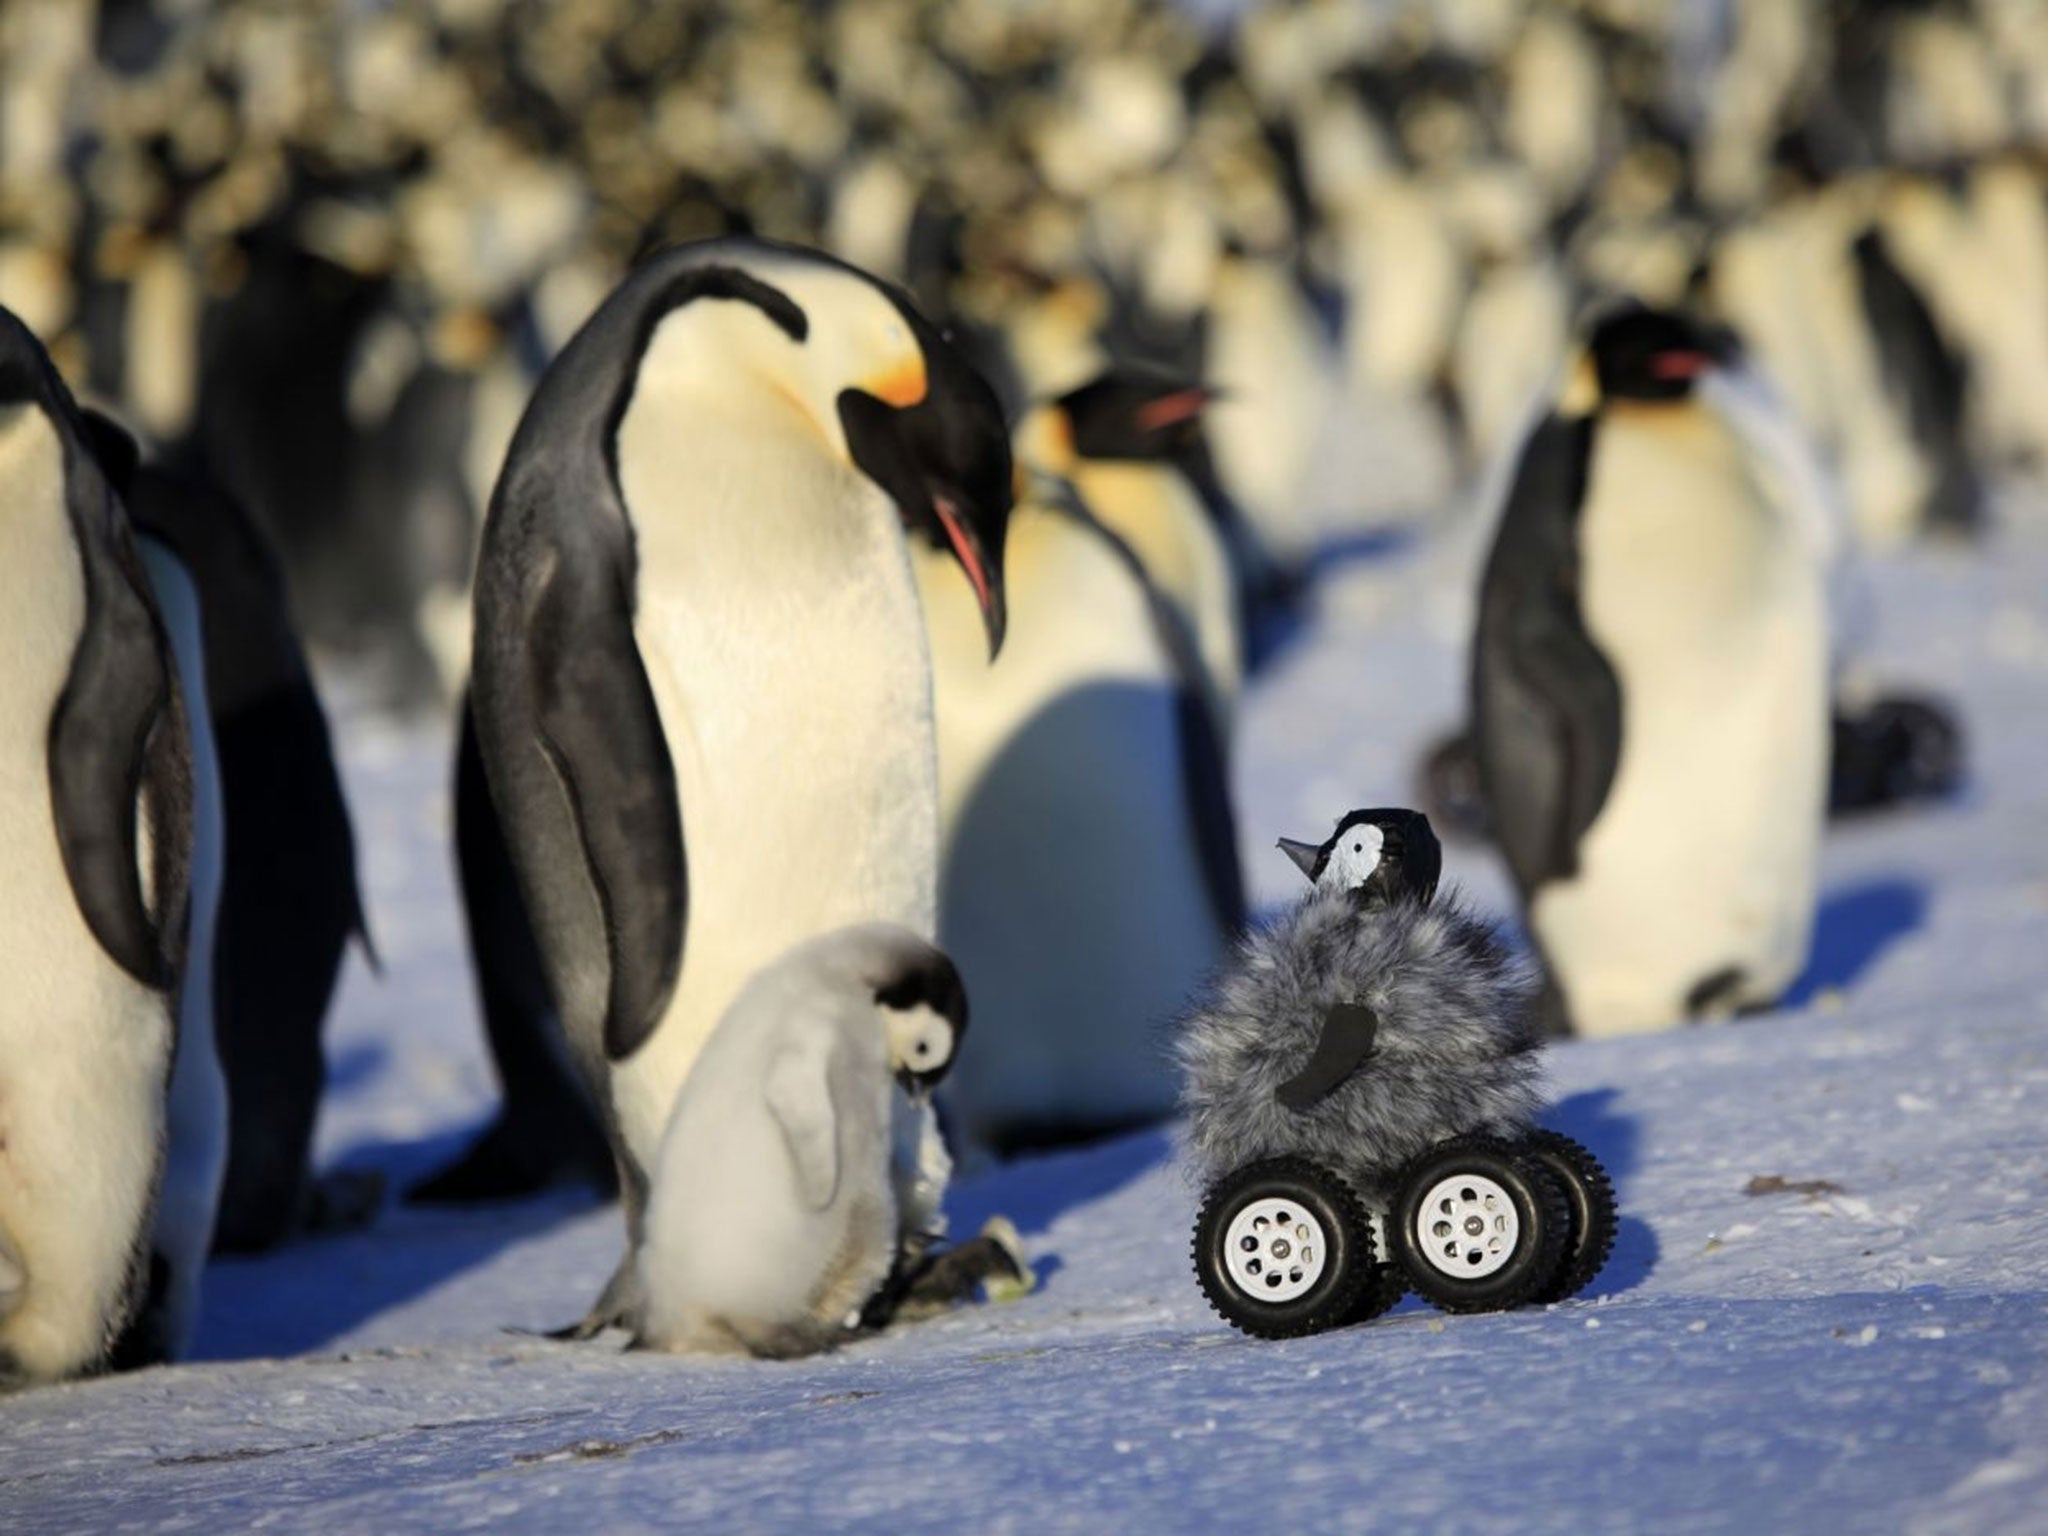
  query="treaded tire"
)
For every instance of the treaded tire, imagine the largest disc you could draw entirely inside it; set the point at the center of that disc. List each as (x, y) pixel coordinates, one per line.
(1388, 1285)
(1329, 1293)
(1589, 1201)
(1478, 1180)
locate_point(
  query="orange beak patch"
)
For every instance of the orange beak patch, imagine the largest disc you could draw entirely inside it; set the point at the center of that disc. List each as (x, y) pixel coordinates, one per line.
(899, 386)
(964, 550)
(1171, 410)
(1679, 364)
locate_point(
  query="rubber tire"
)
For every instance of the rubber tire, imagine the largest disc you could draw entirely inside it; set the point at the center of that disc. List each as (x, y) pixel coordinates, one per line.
(1348, 1271)
(1589, 1199)
(1540, 1210)
(1388, 1285)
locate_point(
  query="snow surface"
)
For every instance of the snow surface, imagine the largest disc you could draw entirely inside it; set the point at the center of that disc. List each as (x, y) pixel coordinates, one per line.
(1869, 1355)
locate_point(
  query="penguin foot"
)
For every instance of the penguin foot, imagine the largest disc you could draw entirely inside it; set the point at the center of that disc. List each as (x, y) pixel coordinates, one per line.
(616, 1306)
(344, 1200)
(991, 1264)
(503, 1164)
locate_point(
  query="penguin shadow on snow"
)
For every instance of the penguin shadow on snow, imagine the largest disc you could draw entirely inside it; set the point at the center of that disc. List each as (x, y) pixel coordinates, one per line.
(1278, 630)
(1591, 1119)
(309, 1293)
(1852, 927)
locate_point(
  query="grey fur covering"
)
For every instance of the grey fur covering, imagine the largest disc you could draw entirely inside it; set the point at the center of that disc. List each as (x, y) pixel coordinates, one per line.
(1456, 1051)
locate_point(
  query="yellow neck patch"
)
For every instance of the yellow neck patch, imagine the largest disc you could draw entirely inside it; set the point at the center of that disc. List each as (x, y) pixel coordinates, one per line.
(904, 384)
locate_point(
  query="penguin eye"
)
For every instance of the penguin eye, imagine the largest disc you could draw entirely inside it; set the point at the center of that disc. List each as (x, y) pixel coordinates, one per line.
(924, 1048)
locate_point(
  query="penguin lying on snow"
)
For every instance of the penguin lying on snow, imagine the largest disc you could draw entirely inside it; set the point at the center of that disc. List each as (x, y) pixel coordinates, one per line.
(801, 1171)
(1371, 967)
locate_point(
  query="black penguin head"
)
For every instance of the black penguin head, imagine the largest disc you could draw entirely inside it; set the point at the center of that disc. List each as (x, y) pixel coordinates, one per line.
(1654, 354)
(1381, 855)
(942, 452)
(925, 1013)
(1134, 412)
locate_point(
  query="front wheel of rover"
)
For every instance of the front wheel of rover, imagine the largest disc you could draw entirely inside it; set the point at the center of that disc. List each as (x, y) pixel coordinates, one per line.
(1589, 1200)
(1284, 1248)
(1478, 1225)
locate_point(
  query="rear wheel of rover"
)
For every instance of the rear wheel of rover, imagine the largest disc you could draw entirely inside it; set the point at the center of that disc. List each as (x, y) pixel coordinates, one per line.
(1283, 1248)
(1478, 1225)
(1589, 1201)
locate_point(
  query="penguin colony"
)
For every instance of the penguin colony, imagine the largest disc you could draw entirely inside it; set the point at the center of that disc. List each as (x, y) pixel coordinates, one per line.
(367, 233)
(1239, 289)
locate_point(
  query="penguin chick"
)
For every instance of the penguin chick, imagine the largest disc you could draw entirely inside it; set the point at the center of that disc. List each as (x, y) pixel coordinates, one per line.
(782, 1193)
(1369, 968)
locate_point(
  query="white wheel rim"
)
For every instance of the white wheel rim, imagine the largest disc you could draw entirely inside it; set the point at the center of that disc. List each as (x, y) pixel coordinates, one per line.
(1275, 1250)
(1467, 1227)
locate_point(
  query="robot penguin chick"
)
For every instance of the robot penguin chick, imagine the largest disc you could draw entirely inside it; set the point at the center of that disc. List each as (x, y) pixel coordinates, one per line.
(1362, 1092)
(1370, 968)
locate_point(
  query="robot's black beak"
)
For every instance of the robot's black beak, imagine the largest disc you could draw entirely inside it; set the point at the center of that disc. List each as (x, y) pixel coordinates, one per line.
(1303, 854)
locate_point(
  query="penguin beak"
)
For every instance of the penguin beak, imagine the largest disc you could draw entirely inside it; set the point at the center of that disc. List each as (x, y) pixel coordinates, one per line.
(980, 558)
(1679, 364)
(1303, 854)
(1171, 410)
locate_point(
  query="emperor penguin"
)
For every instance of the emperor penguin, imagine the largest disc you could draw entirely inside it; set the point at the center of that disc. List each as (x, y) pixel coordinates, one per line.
(196, 1109)
(792, 1179)
(1090, 879)
(96, 819)
(1130, 442)
(700, 681)
(1650, 690)
(289, 899)
(547, 1130)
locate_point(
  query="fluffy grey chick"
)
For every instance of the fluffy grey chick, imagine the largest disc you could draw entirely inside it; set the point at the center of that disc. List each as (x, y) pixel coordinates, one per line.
(1367, 1025)
(793, 1181)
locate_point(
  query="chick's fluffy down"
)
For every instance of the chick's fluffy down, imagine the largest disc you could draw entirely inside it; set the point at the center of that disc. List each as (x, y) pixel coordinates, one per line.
(1455, 1054)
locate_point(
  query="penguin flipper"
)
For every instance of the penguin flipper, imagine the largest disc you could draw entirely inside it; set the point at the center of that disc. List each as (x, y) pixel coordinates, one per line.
(1345, 1045)
(799, 1094)
(1546, 704)
(115, 738)
(601, 731)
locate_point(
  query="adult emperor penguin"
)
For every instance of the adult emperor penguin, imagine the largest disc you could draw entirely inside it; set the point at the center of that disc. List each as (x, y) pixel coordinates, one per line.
(1650, 691)
(1130, 441)
(1085, 815)
(96, 817)
(696, 625)
(196, 1124)
(289, 899)
(793, 1177)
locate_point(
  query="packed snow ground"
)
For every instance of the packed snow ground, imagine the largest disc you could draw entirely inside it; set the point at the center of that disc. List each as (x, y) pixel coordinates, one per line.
(1870, 1353)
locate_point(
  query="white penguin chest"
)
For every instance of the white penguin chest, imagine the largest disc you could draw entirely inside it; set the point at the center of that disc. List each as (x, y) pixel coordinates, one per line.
(782, 639)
